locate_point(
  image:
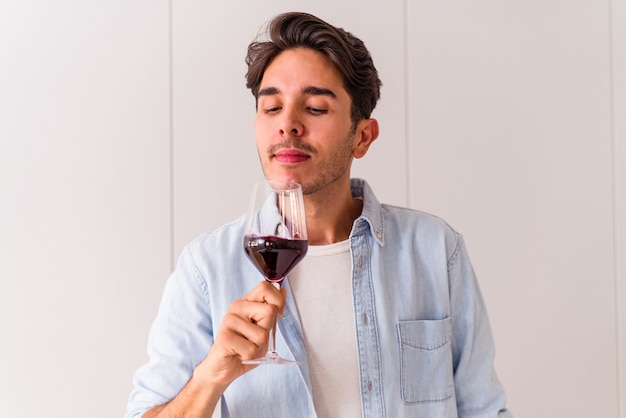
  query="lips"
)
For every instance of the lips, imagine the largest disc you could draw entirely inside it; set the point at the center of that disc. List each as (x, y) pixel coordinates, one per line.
(291, 156)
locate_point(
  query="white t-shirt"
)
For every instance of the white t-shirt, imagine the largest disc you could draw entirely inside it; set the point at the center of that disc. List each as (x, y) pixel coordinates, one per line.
(322, 288)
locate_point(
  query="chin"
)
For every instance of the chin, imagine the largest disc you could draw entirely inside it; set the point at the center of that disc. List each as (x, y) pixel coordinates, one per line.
(283, 176)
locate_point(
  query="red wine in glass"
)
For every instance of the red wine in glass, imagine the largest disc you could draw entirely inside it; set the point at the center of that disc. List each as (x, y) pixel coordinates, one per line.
(274, 257)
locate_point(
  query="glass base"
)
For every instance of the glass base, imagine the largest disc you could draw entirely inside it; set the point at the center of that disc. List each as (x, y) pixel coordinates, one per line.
(271, 359)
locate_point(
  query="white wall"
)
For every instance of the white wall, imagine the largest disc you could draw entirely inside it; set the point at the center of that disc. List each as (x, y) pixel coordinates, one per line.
(512, 123)
(84, 200)
(125, 131)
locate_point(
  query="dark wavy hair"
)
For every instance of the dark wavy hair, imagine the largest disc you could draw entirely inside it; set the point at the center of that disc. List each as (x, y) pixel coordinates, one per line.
(344, 50)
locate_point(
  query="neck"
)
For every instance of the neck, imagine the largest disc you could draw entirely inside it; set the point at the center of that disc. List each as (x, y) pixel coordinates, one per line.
(330, 216)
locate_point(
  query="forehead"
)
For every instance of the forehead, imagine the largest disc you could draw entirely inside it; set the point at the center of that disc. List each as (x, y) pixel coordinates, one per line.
(302, 67)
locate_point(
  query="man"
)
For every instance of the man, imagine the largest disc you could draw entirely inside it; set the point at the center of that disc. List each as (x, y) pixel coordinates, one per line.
(384, 312)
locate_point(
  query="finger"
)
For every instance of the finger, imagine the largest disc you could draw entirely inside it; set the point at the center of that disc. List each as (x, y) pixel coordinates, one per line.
(241, 337)
(256, 313)
(266, 292)
(236, 341)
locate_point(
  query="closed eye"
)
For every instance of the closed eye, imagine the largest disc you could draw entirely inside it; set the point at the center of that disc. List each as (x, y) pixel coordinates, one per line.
(317, 111)
(272, 110)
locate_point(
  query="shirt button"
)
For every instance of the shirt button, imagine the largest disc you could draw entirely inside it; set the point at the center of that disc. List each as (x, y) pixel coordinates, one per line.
(379, 236)
(365, 318)
(370, 385)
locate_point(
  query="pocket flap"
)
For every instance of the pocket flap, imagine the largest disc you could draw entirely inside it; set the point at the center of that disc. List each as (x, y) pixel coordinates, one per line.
(425, 334)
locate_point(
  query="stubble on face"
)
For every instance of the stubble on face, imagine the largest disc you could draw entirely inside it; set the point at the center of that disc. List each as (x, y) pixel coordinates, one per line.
(325, 171)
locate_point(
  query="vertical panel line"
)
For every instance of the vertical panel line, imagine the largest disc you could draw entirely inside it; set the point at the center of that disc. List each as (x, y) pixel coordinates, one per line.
(171, 134)
(407, 110)
(616, 209)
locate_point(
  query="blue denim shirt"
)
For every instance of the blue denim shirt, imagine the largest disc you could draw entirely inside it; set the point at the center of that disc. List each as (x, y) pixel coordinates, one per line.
(425, 347)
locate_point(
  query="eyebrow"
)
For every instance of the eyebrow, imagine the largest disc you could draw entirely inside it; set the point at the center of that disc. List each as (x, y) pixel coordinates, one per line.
(268, 91)
(310, 90)
(319, 91)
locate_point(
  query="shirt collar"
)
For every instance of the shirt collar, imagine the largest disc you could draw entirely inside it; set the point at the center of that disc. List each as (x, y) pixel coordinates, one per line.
(372, 213)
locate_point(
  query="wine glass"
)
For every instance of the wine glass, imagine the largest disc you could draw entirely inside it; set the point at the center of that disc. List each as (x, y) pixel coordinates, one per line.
(275, 240)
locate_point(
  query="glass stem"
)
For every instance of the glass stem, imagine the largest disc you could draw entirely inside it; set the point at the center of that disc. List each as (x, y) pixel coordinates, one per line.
(271, 350)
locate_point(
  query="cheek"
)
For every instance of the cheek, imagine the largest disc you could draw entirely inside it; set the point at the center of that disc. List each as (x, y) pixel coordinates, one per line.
(260, 134)
(257, 125)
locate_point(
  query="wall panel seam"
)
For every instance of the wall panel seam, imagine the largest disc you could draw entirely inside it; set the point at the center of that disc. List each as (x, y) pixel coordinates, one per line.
(172, 226)
(616, 155)
(407, 110)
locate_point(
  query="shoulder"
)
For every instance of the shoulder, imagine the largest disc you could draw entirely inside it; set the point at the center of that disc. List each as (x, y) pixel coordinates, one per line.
(420, 228)
(214, 256)
(213, 247)
(416, 220)
(225, 234)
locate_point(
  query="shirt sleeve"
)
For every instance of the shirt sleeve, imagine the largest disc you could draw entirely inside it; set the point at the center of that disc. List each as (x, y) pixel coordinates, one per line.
(479, 393)
(179, 339)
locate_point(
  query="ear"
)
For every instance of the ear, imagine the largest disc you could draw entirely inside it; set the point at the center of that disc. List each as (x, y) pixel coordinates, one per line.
(366, 133)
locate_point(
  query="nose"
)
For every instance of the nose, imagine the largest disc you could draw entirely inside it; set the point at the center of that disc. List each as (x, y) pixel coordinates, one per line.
(290, 125)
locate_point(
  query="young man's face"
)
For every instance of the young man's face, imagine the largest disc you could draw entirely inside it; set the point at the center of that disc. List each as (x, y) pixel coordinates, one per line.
(303, 127)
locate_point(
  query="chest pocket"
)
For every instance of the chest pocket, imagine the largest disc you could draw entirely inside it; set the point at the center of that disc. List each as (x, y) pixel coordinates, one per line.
(426, 361)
